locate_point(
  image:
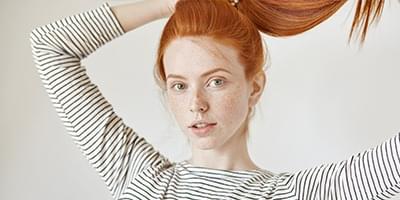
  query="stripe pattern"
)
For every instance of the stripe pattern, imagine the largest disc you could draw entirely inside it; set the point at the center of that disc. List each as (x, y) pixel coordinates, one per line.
(133, 169)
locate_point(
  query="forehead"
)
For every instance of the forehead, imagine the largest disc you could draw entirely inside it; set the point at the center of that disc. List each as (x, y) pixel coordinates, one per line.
(189, 56)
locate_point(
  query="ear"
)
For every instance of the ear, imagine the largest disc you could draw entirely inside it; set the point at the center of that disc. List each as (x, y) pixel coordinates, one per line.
(257, 87)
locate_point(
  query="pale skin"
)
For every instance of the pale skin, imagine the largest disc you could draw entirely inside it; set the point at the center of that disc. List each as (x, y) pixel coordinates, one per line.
(213, 89)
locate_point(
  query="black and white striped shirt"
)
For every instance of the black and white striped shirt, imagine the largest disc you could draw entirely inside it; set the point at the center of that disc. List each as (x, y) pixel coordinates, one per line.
(133, 169)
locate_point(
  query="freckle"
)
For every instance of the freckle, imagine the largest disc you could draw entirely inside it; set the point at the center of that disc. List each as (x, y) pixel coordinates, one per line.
(229, 102)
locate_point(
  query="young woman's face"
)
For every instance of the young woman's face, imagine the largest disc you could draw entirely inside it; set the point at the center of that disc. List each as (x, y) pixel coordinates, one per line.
(205, 81)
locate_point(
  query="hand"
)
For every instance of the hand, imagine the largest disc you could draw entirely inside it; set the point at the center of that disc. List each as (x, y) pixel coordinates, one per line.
(170, 6)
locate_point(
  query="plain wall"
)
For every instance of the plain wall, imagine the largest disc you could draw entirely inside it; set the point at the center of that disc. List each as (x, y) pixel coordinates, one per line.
(325, 100)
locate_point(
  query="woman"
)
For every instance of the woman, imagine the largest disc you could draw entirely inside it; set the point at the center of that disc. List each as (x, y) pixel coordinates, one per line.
(210, 67)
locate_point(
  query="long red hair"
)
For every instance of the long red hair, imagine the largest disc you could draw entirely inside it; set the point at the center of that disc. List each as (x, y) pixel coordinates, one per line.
(240, 26)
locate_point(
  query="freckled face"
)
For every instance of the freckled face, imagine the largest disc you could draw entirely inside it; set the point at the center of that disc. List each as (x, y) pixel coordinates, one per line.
(205, 81)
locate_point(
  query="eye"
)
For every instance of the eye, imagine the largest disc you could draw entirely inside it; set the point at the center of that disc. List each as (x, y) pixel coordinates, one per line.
(178, 86)
(217, 82)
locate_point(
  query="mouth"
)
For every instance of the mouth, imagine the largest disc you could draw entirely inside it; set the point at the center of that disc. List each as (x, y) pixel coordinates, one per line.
(202, 129)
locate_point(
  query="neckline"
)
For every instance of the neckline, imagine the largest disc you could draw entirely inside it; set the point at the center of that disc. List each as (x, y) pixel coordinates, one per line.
(192, 167)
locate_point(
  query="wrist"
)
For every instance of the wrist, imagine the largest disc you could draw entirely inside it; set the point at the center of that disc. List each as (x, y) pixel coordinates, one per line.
(166, 7)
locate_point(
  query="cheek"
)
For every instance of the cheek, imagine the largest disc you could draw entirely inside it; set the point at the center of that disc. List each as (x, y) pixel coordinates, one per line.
(176, 106)
(233, 107)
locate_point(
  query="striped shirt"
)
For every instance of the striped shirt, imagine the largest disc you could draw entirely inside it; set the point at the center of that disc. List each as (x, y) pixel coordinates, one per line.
(133, 169)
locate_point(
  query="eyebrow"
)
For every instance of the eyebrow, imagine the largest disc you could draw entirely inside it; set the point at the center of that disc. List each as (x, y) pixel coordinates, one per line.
(203, 75)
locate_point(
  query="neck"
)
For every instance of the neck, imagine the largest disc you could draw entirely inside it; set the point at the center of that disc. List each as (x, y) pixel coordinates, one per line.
(232, 155)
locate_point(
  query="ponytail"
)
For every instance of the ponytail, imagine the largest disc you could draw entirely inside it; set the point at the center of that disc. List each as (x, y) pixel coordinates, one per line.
(239, 27)
(290, 17)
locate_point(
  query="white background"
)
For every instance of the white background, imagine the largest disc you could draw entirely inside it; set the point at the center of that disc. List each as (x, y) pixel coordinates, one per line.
(325, 100)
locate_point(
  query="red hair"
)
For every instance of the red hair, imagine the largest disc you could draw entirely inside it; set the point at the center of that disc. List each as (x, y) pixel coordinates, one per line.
(240, 27)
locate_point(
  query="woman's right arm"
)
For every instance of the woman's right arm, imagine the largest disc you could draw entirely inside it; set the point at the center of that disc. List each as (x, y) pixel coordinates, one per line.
(115, 150)
(133, 15)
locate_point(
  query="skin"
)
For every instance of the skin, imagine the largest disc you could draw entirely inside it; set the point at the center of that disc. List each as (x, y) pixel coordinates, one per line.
(227, 105)
(221, 97)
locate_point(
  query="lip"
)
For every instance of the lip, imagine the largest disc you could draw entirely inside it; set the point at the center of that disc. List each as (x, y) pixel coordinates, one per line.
(200, 121)
(201, 132)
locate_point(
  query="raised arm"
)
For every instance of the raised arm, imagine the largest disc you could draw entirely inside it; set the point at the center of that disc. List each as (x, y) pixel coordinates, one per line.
(372, 174)
(115, 150)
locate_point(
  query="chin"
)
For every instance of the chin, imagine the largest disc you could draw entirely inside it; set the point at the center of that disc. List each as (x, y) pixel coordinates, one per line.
(204, 144)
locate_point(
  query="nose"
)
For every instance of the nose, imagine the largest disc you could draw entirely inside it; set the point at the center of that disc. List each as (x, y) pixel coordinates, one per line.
(199, 103)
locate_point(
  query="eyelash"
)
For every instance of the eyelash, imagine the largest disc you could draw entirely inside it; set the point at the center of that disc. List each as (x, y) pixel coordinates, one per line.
(223, 81)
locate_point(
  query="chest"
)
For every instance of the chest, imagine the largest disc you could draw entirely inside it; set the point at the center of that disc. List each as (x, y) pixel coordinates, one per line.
(172, 185)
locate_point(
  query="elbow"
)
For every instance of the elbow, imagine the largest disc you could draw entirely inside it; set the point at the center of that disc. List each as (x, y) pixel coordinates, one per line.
(34, 37)
(38, 48)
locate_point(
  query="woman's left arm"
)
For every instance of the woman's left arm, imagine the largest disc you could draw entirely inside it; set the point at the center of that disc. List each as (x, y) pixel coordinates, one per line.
(372, 174)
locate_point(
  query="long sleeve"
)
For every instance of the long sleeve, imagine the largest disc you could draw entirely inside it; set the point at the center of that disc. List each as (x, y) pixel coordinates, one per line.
(372, 174)
(115, 151)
